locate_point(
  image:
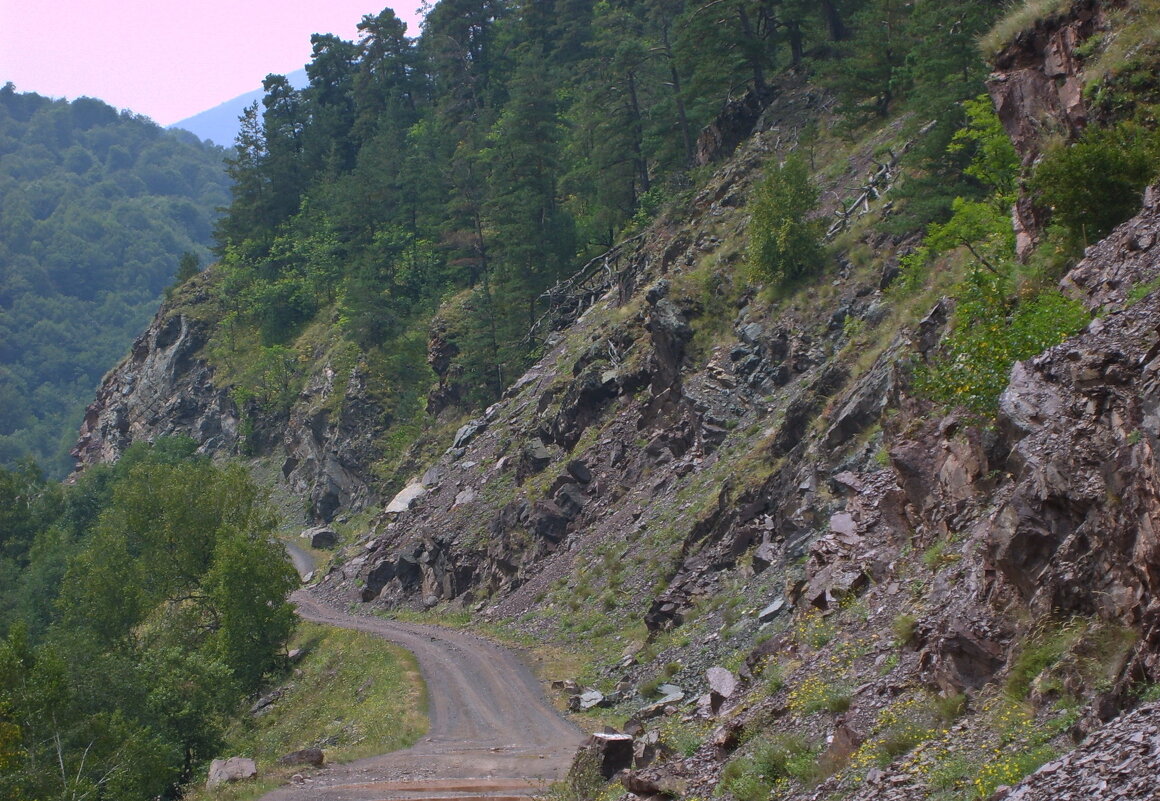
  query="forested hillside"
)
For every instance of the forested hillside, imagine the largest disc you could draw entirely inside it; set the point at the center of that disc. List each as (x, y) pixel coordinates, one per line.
(139, 606)
(462, 173)
(809, 403)
(97, 209)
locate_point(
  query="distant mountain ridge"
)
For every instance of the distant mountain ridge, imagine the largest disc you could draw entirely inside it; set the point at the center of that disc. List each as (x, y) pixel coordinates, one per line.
(220, 123)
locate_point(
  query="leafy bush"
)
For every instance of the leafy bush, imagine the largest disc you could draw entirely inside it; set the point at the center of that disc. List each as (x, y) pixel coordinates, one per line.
(1095, 184)
(784, 245)
(993, 329)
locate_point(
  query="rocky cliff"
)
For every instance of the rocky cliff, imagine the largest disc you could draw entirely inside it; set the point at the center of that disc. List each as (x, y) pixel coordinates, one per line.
(168, 386)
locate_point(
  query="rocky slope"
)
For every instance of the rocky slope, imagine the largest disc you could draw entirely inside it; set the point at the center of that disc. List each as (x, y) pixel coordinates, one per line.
(167, 386)
(744, 497)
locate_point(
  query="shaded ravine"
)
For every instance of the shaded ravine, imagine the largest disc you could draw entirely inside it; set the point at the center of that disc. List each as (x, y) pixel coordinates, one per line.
(492, 733)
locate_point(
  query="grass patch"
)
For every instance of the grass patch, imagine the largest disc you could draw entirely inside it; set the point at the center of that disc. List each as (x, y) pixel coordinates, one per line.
(353, 695)
(1041, 650)
(772, 762)
(1022, 17)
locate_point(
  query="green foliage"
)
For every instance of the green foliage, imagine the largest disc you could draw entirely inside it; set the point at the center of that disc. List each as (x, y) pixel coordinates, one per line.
(993, 329)
(994, 162)
(96, 209)
(784, 243)
(351, 694)
(772, 761)
(1095, 184)
(171, 607)
(903, 627)
(818, 693)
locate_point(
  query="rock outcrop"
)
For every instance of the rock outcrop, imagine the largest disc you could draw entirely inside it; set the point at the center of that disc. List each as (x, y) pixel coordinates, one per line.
(1037, 89)
(168, 386)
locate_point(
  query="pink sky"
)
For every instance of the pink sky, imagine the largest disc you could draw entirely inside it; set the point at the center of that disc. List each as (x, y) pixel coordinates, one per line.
(168, 59)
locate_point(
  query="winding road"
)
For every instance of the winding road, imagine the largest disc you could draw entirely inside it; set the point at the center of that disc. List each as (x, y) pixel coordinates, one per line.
(492, 736)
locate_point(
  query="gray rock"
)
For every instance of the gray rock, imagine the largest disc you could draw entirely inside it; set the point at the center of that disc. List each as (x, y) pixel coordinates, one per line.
(467, 432)
(580, 471)
(590, 699)
(321, 537)
(763, 556)
(570, 500)
(407, 496)
(262, 705)
(537, 455)
(751, 333)
(773, 610)
(721, 681)
(614, 752)
(433, 476)
(234, 769)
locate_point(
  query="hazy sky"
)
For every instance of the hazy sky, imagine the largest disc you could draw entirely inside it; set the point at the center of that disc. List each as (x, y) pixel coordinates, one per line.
(168, 59)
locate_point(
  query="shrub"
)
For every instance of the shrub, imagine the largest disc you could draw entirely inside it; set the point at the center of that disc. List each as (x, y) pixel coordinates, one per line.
(1095, 184)
(773, 760)
(815, 694)
(785, 246)
(992, 330)
(903, 627)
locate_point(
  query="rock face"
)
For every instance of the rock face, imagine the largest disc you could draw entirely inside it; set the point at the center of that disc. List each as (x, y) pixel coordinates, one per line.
(1080, 529)
(166, 387)
(162, 388)
(1037, 90)
(1037, 85)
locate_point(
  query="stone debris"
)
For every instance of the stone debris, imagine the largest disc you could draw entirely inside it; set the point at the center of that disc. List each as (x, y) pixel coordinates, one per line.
(1118, 762)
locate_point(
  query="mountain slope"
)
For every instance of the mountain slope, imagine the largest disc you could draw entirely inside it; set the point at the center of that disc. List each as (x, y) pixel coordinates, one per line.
(221, 123)
(771, 495)
(96, 211)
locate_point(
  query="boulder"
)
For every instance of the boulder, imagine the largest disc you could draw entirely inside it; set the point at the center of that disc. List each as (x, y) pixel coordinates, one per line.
(586, 700)
(649, 787)
(570, 499)
(406, 496)
(263, 704)
(468, 432)
(773, 610)
(721, 681)
(234, 769)
(613, 752)
(580, 471)
(321, 537)
(763, 556)
(536, 456)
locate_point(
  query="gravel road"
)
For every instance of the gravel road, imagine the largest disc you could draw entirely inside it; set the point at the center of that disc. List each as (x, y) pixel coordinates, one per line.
(493, 734)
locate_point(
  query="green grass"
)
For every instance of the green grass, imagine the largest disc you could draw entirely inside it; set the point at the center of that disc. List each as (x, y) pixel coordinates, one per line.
(1022, 17)
(353, 695)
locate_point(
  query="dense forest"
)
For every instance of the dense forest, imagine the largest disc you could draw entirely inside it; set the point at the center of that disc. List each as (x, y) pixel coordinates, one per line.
(139, 604)
(436, 184)
(97, 208)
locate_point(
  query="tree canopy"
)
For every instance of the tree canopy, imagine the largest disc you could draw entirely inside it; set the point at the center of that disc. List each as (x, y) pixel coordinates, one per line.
(96, 209)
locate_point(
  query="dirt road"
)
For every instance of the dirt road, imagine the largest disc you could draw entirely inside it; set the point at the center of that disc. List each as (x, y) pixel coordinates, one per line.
(493, 735)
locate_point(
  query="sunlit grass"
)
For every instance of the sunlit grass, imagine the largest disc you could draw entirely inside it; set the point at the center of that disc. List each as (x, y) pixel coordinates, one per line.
(353, 695)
